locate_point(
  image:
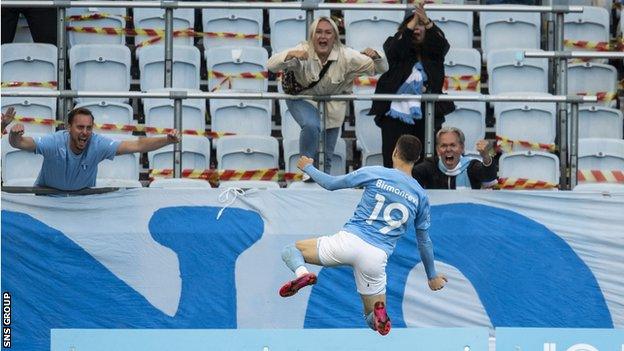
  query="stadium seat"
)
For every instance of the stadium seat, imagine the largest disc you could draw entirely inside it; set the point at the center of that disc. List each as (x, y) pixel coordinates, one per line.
(528, 121)
(195, 154)
(35, 107)
(499, 30)
(22, 31)
(106, 112)
(100, 67)
(367, 134)
(600, 122)
(153, 18)
(590, 25)
(122, 171)
(117, 21)
(610, 188)
(288, 27)
(460, 63)
(291, 155)
(457, 27)
(509, 71)
(591, 78)
(606, 4)
(186, 64)
(160, 112)
(247, 152)
(370, 29)
(290, 127)
(365, 85)
(470, 118)
(226, 63)
(19, 167)
(242, 117)
(239, 21)
(602, 154)
(532, 165)
(179, 183)
(29, 63)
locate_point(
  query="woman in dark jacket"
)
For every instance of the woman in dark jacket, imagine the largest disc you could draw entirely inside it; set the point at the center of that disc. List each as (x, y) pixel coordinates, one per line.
(418, 43)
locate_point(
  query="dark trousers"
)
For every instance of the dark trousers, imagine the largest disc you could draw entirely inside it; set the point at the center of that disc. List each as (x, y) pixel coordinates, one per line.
(42, 23)
(391, 131)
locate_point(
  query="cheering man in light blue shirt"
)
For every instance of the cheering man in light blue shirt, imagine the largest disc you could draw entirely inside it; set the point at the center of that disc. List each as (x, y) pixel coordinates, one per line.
(71, 157)
(391, 199)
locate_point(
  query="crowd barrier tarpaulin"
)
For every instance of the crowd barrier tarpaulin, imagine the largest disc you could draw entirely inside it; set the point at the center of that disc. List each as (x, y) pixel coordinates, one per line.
(160, 258)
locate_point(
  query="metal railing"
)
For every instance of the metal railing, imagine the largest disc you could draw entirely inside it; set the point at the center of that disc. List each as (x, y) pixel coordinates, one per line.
(304, 5)
(575, 54)
(566, 124)
(309, 6)
(429, 112)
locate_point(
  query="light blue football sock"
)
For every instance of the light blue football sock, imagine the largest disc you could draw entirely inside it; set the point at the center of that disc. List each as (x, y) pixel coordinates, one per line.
(292, 257)
(370, 320)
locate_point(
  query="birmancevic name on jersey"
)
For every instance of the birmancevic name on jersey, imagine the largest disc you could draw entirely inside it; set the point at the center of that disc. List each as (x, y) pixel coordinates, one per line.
(404, 194)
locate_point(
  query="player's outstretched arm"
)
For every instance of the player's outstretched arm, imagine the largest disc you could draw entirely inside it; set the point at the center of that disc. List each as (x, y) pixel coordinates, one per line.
(323, 179)
(425, 248)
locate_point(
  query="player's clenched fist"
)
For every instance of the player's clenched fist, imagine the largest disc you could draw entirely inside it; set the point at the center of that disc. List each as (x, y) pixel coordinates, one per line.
(303, 162)
(438, 282)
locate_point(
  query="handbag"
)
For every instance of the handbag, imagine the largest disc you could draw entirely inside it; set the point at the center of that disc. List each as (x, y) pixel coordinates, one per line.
(292, 87)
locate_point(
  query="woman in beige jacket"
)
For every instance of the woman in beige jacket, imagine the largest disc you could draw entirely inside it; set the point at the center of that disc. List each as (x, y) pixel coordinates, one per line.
(306, 61)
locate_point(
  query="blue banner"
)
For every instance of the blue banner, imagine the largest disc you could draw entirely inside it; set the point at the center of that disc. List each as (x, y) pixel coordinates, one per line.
(160, 259)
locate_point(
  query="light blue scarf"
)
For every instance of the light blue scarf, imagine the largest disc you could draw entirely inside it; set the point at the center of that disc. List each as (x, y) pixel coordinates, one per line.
(460, 172)
(409, 111)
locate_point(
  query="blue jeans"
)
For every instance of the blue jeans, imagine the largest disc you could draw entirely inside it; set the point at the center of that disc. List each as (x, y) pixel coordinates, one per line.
(307, 116)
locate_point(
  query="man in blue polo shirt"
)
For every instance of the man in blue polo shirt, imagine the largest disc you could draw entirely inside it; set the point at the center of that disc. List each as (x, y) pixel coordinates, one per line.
(71, 156)
(391, 200)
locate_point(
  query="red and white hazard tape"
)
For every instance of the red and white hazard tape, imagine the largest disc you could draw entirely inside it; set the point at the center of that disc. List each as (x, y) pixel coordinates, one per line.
(505, 144)
(523, 183)
(158, 34)
(127, 128)
(215, 175)
(600, 176)
(50, 84)
(462, 83)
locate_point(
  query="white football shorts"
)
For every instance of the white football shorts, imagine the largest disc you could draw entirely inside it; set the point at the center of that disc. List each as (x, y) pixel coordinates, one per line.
(368, 261)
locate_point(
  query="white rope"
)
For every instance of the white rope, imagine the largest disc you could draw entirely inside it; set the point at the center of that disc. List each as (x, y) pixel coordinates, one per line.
(229, 195)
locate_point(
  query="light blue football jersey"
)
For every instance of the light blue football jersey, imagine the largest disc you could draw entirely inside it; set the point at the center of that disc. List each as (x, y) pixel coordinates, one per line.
(391, 200)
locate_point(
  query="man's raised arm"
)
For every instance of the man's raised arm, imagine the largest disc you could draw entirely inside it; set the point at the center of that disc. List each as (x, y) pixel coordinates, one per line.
(147, 144)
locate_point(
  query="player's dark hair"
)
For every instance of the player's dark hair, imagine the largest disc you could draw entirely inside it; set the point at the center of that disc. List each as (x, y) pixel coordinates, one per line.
(409, 148)
(79, 111)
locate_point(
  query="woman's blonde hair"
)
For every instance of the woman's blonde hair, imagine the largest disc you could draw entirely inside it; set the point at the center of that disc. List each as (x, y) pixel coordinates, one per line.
(331, 22)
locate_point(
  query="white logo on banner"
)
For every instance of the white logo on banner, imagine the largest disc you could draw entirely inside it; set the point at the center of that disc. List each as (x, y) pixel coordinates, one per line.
(575, 347)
